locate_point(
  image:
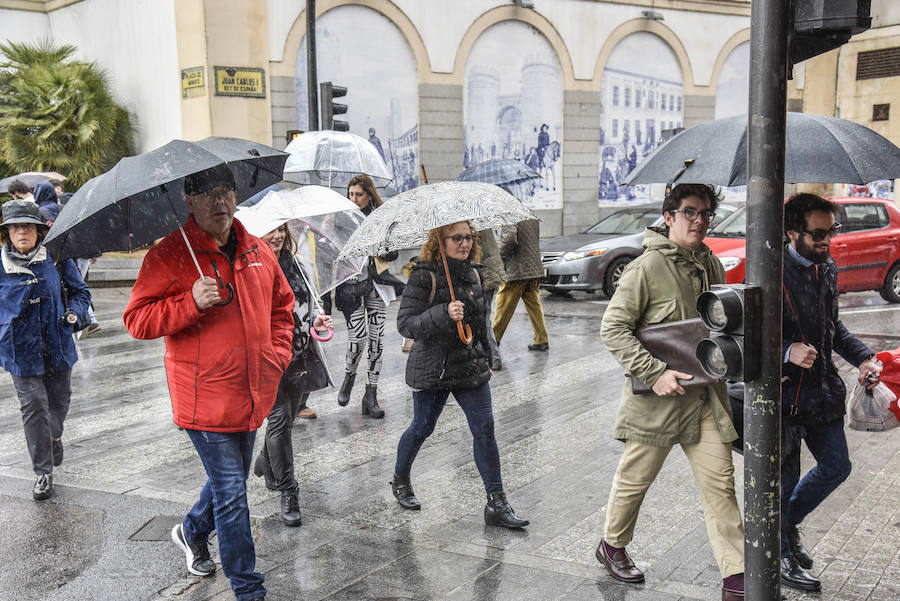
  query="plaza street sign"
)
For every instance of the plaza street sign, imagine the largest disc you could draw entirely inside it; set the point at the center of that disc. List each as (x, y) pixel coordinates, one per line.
(193, 83)
(248, 82)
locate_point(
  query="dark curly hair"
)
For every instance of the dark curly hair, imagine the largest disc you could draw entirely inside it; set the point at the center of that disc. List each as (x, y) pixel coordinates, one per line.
(797, 207)
(682, 191)
(431, 250)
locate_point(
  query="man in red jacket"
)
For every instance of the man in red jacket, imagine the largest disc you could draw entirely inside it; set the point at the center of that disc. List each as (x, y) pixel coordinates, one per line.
(228, 340)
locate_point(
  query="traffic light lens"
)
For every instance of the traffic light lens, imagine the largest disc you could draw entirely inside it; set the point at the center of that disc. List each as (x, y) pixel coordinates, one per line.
(715, 360)
(716, 314)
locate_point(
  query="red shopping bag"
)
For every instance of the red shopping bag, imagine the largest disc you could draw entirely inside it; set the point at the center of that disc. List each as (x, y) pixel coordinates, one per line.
(890, 374)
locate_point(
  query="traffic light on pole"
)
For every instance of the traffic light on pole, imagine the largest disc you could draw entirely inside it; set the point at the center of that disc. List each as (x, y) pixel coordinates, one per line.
(327, 93)
(732, 314)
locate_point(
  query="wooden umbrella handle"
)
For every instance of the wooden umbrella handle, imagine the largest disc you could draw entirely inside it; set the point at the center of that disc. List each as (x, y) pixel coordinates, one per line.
(464, 334)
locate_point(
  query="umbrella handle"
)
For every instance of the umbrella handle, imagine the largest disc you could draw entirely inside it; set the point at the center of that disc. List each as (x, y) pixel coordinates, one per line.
(464, 334)
(325, 338)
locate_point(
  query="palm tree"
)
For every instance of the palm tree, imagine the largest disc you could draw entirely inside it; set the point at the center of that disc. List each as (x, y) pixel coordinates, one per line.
(58, 114)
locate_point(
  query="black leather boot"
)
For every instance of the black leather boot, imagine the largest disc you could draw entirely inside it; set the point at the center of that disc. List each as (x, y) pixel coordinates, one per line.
(290, 507)
(404, 494)
(370, 402)
(346, 387)
(803, 557)
(497, 512)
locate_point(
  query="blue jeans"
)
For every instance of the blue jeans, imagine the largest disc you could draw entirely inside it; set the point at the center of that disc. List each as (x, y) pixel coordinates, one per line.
(476, 404)
(828, 446)
(223, 507)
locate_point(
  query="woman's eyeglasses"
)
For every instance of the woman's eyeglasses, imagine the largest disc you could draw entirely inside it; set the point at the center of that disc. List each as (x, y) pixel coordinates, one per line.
(691, 213)
(820, 234)
(458, 239)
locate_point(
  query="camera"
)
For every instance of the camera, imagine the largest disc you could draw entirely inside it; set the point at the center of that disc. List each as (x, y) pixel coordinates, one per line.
(70, 318)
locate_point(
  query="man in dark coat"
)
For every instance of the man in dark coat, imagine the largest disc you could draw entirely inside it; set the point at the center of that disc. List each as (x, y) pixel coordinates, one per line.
(812, 392)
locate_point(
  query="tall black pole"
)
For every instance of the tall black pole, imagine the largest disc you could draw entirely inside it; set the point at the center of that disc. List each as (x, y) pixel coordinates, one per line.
(312, 77)
(769, 23)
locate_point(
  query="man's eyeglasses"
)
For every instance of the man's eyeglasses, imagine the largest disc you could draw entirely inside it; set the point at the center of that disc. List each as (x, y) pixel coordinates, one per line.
(458, 239)
(691, 213)
(820, 234)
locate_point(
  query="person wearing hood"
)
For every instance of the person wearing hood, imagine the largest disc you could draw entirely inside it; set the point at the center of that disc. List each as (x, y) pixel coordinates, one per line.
(662, 285)
(45, 197)
(36, 326)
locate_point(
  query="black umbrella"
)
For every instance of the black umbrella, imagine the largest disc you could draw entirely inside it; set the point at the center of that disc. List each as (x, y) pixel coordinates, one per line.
(141, 198)
(818, 149)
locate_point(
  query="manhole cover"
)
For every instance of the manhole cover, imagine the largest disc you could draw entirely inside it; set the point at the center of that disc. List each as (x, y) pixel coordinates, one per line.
(158, 528)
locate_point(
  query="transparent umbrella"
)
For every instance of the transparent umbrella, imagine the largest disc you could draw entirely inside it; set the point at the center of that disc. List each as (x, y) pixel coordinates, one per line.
(331, 158)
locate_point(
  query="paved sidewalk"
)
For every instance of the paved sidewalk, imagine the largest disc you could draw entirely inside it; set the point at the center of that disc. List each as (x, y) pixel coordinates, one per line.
(127, 464)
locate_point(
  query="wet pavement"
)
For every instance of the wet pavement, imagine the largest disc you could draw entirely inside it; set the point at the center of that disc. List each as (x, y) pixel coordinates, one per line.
(130, 474)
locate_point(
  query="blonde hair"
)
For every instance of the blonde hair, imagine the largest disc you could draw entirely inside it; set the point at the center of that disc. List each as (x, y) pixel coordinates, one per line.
(431, 249)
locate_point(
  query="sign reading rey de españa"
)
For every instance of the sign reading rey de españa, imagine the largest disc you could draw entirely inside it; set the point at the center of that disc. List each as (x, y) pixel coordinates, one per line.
(240, 81)
(192, 82)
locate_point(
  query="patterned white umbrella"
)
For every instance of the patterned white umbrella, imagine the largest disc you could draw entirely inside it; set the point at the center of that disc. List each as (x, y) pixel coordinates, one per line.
(405, 220)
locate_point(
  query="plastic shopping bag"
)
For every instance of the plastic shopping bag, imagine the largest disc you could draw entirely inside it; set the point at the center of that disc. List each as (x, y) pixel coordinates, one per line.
(869, 410)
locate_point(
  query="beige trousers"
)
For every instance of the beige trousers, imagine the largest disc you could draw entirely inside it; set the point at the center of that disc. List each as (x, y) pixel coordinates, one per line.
(508, 296)
(713, 469)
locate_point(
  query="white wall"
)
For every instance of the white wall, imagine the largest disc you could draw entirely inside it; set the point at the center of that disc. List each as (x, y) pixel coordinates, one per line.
(22, 26)
(583, 25)
(135, 42)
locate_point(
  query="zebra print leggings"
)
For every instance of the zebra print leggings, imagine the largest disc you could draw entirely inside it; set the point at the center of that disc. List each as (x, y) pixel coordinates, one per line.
(367, 322)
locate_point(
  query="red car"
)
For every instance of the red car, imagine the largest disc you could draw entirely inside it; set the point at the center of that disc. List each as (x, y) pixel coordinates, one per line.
(867, 250)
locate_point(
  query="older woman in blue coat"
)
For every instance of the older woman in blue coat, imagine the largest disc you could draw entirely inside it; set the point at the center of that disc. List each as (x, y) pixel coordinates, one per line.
(36, 345)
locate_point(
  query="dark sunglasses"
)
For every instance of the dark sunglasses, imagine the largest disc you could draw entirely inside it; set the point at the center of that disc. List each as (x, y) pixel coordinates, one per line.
(820, 234)
(460, 238)
(691, 213)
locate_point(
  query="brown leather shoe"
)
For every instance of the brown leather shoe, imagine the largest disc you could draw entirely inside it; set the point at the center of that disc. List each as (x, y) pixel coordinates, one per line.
(619, 565)
(306, 413)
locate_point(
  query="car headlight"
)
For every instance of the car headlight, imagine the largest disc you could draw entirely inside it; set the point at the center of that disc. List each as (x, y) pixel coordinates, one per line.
(574, 256)
(730, 263)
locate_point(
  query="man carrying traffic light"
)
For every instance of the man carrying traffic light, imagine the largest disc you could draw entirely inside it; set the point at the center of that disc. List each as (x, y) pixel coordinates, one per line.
(661, 286)
(812, 392)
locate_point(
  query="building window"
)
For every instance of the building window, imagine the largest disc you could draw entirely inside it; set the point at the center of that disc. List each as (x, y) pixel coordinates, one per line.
(679, 103)
(671, 102)
(650, 100)
(627, 96)
(637, 98)
(615, 96)
(881, 112)
(615, 128)
(878, 63)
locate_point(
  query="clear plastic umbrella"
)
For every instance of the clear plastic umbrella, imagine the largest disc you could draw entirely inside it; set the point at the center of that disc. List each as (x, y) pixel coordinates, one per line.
(331, 158)
(320, 221)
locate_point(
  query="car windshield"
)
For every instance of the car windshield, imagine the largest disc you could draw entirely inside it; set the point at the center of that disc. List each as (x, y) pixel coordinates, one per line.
(625, 221)
(733, 226)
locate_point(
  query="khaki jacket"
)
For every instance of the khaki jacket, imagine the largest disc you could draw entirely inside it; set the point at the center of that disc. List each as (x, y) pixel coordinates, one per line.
(659, 286)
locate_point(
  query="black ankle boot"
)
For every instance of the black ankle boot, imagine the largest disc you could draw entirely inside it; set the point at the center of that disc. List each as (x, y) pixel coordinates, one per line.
(290, 507)
(497, 512)
(346, 387)
(404, 494)
(370, 402)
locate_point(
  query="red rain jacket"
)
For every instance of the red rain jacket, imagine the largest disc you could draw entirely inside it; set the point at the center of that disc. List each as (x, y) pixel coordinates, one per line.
(223, 364)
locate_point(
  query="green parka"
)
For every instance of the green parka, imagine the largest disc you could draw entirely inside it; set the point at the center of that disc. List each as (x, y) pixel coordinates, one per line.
(659, 286)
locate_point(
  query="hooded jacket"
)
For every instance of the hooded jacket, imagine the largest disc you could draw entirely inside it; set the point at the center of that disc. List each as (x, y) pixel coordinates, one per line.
(45, 197)
(810, 314)
(662, 285)
(223, 364)
(438, 359)
(34, 340)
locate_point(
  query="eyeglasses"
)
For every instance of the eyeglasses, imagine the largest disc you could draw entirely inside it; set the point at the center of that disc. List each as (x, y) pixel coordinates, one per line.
(224, 193)
(458, 239)
(820, 234)
(691, 213)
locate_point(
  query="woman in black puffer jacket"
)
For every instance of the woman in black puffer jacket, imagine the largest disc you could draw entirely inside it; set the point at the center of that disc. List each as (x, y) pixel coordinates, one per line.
(440, 363)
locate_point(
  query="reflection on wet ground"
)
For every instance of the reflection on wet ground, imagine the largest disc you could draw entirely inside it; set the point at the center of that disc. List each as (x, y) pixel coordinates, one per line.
(126, 463)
